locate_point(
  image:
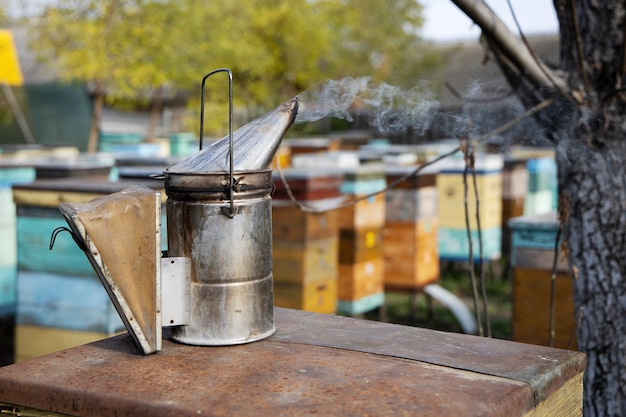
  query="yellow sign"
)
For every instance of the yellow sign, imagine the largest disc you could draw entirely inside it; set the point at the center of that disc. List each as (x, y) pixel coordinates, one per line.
(10, 72)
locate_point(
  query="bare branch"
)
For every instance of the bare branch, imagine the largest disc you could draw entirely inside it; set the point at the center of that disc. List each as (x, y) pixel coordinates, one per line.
(579, 48)
(512, 47)
(534, 56)
(490, 100)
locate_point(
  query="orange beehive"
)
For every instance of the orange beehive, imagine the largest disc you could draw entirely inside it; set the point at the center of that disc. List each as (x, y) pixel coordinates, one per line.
(410, 253)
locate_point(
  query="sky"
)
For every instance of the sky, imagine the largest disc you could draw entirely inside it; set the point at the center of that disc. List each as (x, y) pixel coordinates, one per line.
(444, 22)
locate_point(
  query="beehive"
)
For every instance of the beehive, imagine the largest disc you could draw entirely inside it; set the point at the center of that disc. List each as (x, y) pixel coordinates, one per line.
(410, 233)
(410, 253)
(514, 190)
(454, 244)
(305, 244)
(10, 173)
(299, 146)
(361, 267)
(532, 257)
(542, 193)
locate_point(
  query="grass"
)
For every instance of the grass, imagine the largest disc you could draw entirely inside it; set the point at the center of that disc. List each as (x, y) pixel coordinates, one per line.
(455, 278)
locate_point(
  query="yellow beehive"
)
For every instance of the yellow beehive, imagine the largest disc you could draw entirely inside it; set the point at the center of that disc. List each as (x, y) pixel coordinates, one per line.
(33, 341)
(304, 263)
(317, 297)
(452, 214)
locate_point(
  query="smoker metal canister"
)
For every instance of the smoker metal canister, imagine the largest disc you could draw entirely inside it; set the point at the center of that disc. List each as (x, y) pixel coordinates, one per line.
(231, 292)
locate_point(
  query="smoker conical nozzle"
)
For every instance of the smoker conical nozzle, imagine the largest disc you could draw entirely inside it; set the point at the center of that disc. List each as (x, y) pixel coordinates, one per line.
(254, 145)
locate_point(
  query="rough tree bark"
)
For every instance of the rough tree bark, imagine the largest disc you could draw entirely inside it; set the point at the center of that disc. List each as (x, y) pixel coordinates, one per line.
(592, 175)
(587, 125)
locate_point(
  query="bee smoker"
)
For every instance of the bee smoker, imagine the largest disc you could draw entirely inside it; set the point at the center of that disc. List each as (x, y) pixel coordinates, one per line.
(214, 284)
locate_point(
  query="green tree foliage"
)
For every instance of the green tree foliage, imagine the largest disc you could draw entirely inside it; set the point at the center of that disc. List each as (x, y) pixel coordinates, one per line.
(3, 15)
(144, 49)
(371, 38)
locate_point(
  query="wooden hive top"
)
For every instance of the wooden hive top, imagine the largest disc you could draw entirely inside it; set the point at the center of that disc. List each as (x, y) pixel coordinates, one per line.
(315, 363)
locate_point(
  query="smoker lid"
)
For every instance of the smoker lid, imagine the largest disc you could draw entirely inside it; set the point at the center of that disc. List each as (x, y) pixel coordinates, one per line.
(254, 145)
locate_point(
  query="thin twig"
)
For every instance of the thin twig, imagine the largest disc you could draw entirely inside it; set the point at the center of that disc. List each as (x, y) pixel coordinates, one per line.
(481, 264)
(553, 287)
(570, 343)
(18, 114)
(534, 56)
(459, 96)
(465, 146)
(614, 93)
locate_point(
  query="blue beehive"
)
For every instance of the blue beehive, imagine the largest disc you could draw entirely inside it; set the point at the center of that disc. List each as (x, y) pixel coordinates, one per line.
(542, 186)
(9, 174)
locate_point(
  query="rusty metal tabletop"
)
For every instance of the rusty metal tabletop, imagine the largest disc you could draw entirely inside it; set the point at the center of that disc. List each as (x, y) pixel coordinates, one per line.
(314, 364)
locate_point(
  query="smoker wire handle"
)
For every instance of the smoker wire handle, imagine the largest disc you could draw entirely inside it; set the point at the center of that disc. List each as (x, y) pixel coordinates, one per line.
(77, 239)
(232, 211)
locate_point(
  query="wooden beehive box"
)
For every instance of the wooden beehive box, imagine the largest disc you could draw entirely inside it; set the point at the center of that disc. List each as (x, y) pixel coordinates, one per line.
(361, 266)
(361, 270)
(410, 232)
(55, 311)
(411, 205)
(307, 184)
(353, 139)
(532, 257)
(365, 213)
(514, 190)
(318, 296)
(27, 153)
(454, 243)
(451, 200)
(312, 145)
(411, 199)
(304, 251)
(311, 261)
(541, 197)
(82, 165)
(305, 244)
(358, 245)
(292, 225)
(282, 159)
(410, 253)
(10, 173)
(361, 288)
(514, 178)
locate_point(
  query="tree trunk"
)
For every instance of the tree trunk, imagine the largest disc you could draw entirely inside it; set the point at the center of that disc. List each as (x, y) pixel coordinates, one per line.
(587, 125)
(155, 113)
(96, 116)
(594, 184)
(592, 176)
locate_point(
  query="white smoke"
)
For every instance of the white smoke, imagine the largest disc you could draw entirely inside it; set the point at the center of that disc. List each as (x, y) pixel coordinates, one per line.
(388, 109)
